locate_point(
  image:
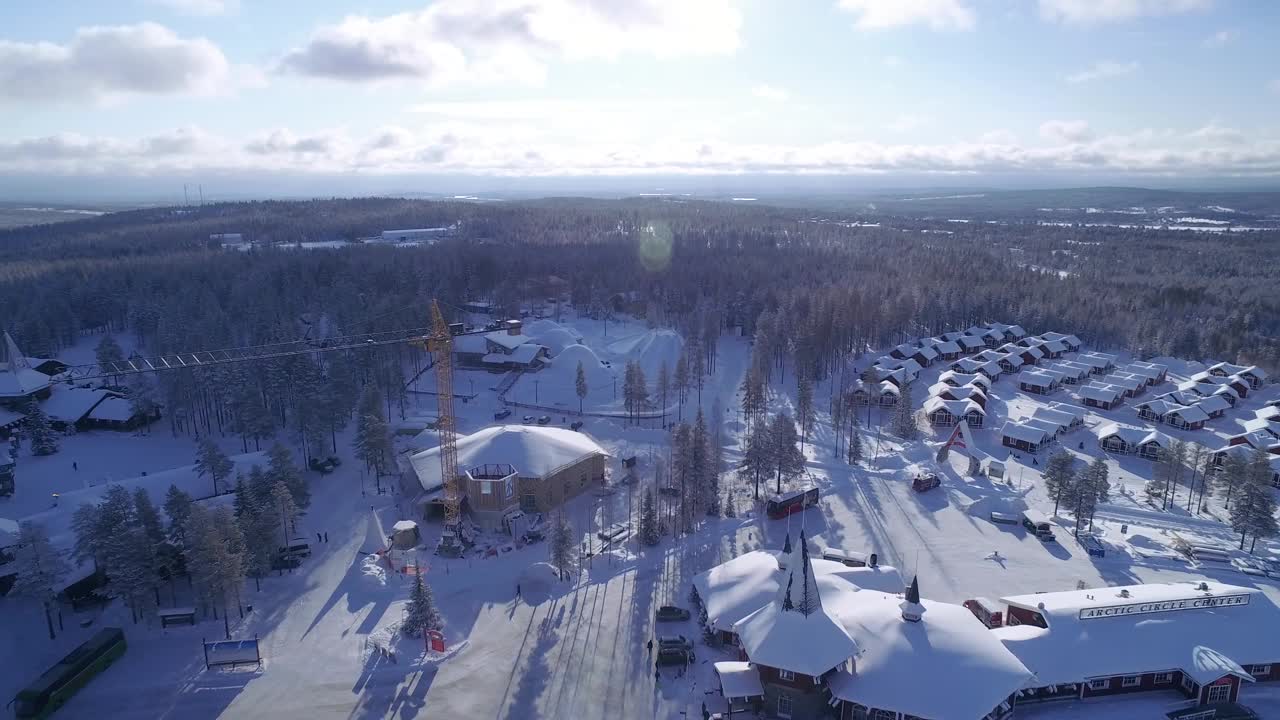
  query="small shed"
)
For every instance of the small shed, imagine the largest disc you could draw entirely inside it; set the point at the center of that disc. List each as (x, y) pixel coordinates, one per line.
(405, 534)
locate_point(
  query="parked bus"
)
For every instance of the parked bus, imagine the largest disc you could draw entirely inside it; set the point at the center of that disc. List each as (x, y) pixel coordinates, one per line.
(783, 505)
(52, 689)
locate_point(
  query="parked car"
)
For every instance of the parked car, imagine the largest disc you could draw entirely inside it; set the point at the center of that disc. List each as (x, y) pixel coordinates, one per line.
(577, 425)
(671, 612)
(502, 414)
(675, 641)
(673, 656)
(925, 482)
(543, 420)
(527, 420)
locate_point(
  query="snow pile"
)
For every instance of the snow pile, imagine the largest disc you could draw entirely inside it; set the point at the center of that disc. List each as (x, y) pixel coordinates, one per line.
(372, 568)
(537, 580)
(984, 506)
(554, 336)
(557, 382)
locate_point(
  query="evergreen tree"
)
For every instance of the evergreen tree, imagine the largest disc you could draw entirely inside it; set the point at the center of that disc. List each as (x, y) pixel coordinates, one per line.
(44, 439)
(420, 614)
(641, 393)
(1058, 477)
(697, 364)
(212, 463)
(1254, 511)
(753, 395)
(562, 546)
(142, 397)
(680, 380)
(704, 479)
(1234, 474)
(148, 517)
(757, 457)
(855, 451)
(650, 532)
(804, 405)
(38, 567)
(664, 387)
(903, 423)
(216, 555)
(177, 506)
(1169, 470)
(784, 453)
(373, 438)
(580, 385)
(283, 505)
(108, 352)
(85, 524)
(338, 397)
(730, 508)
(280, 468)
(1093, 488)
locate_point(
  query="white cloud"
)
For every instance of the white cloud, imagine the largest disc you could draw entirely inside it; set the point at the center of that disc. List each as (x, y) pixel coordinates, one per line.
(456, 40)
(769, 92)
(108, 62)
(1086, 12)
(937, 14)
(202, 8)
(1221, 38)
(1066, 131)
(483, 150)
(1214, 132)
(1102, 70)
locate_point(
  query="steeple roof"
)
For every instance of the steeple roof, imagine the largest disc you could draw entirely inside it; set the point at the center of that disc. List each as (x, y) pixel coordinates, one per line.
(17, 379)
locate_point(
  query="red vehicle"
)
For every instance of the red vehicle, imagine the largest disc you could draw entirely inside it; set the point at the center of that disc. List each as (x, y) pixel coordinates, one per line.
(986, 612)
(780, 506)
(925, 482)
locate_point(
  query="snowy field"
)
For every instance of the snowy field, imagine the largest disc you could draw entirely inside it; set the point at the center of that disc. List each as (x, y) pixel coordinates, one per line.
(577, 650)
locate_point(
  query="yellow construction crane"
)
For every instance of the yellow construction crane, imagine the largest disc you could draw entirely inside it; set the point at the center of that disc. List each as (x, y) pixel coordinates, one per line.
(440, 342)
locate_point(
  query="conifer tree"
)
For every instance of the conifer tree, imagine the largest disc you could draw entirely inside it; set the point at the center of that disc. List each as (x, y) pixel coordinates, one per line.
(177, 506)
(1235, 472)
(804, 404)
(44, 439)
(903, 423)
(757, 457)
(855, 451)
(580, 385)
(664, 387)
(212, 463)
(142, 397)
(786, 459)
(148, 517)
(680, 380)
(650, 532)
(1254, 511)
(1058, 477)
(108, 352)
(562, 545)
(373, 439)
(38, 567)
(420, 613)
(730, 506)
(280, 468)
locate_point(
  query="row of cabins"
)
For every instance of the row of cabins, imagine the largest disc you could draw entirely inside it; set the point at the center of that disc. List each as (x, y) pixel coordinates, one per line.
(958, 396)
(1261, 433)
(1042, 428)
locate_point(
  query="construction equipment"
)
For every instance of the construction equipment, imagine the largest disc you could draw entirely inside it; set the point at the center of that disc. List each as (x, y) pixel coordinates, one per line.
(454, 539)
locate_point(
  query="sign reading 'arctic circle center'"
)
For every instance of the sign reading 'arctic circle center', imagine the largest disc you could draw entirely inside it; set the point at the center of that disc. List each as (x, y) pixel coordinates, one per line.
(1147, 608)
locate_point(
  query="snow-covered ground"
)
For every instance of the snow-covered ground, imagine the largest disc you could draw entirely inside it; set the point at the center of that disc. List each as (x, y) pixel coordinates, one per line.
(578, 650)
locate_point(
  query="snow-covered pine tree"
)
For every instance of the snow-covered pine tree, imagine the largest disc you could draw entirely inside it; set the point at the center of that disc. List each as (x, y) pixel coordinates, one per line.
(785, 456)
(284, 506)
(715, 455)
(1093, 488)
(132, 570)
(757, 457)
(148, 517)
(664, 385)
(84, 524)
(177, 506)
(216, 555)
(38, 567)
(281, 468)
(107, 352)
(697, 364)
(562, 545)
(1254, 511)
(142, 397)
(372, 439)
(44, 439)
(855, 451)
(700, 466)
(339, 396)
(680, 380)
(580, 385)
(903, 423)
(1059, 477)
(730, 505)
(1234, 474)
(420, 613)
(753, 395)
(804, 404)
(260, 525)
(212, 463)
(642, 400)
(649, 530)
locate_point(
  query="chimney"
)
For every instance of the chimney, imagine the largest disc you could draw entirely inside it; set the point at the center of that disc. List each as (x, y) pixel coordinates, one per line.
(514, 327)
(872, 560)
(912, 610)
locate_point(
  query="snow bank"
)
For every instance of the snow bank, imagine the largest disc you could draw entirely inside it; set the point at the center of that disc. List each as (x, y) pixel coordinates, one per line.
(651, 349)
(554, 336)
(557, 382)
(984, 506)
(537, 580)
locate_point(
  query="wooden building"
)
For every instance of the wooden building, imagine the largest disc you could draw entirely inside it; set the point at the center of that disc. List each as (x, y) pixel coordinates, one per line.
(1024, 437)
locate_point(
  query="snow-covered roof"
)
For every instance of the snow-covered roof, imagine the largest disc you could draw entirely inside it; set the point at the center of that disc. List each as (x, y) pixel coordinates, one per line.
(1153, 628)
(738, 679)
(71, 404)
(1133, 435)
(906, 350)
(910, 366)
(1101, 355)
(1024, 432)
(1146, 369)
(1073, 370)
(114, 409)
(1190, 413)
(1232, 369)
(1075, 411)
(969, 342)
(1266, 425)
(966, 379)
(1094, 361)
(948, 643)
(947, 347)
(1124, 380)
(503, 339)
(1034, 352)
(9, 417)
(1055, 346)
(534, 451)
(1270, 412)
(1213, 403)
(1100, 392)
(1014, 359)
(927, 352)
(952, 336)
(964, 392)
(522, 355)
(470, 344)
(17, 379)
(1160, 405)
(1035, 378)
(959, 408)
(1062, 420)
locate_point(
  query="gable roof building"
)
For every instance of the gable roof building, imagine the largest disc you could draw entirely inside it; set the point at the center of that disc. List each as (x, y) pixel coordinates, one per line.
(18, 380)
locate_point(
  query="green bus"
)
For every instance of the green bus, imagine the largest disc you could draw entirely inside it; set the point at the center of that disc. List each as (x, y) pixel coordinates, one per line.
(52, 689)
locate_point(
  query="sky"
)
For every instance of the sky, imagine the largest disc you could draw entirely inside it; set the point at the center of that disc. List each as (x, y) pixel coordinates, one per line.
(983, 90)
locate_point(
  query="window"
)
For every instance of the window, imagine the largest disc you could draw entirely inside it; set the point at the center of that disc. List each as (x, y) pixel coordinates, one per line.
(485, 488)
(786, 675)
(1189, 685)
(1219, 694)
(1164, 678)
(509, 485)
(1099, 684)
(1131, 681)
(784, 705)
(1257, 670)
(878, 714)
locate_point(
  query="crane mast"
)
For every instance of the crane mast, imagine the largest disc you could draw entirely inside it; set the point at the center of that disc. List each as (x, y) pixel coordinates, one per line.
(441, 344)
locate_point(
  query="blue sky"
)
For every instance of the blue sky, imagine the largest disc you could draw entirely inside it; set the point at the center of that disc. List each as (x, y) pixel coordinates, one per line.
(976, 88)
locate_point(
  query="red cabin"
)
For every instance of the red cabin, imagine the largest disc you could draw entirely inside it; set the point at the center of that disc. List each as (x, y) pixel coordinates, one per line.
(780, 506)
